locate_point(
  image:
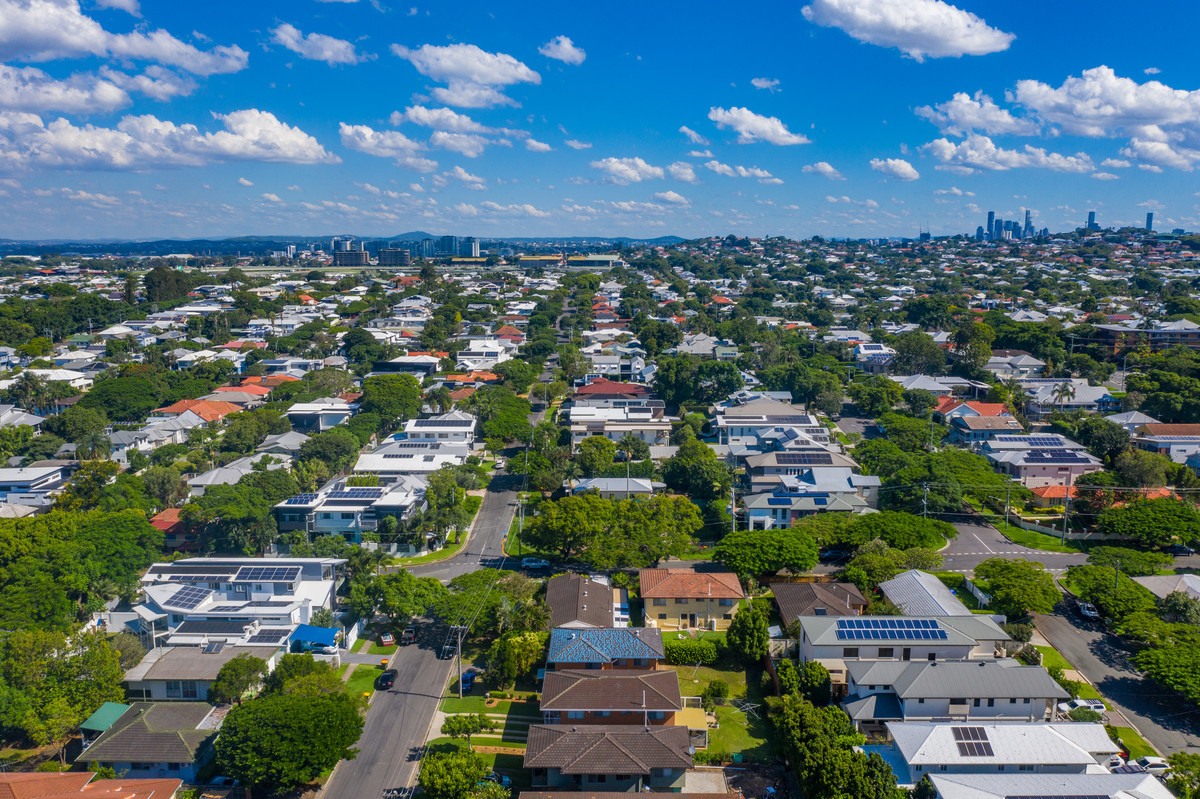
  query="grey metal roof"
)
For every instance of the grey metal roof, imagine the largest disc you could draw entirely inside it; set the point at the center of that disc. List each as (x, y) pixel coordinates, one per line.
(1000, 786)
(919, 593)
(985, 679)
(960, 630)
(1064, 745)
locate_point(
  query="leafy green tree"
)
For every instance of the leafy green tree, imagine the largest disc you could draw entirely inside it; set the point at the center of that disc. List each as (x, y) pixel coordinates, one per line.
(1113, 593)
(451, 775)
(123, 399)
(896, 528)
(75, 423)
(909, 434)
(84, 490)
(1184, 779)
(1137, 467)
(920, 402)
(716, 380)
(236, 678)
(394, 398)
(337, 447)
(291, 667)
(515, 655)
(747, 636)
(1152, 522)
(280, 742)
(815, 684)
(1018, 587)
(1134, 562)
(518, 375)
(880, 456)
(129, 649)
(1181, 608)
(596, 455)
(917, 354)
(753, 553)
(876, 396)
(1177, 667)
(695, 470)
(465, 725)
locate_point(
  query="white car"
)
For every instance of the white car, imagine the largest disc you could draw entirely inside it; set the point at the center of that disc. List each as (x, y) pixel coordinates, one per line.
(1076, 703)
(1088, 610)
(1155, 765)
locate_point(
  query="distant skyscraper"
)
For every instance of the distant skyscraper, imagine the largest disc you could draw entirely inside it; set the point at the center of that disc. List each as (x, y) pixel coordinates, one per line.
(1091, 225)
(991, 225)
(979, 233)
(1150, 221)
(1028, 231)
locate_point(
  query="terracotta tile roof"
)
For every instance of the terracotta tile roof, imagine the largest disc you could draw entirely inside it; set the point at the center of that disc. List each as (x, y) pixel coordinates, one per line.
(27, 786)
(618, 795)
(607, 749)
(802, 599)
(166, 520)
(462, 393)
(256, 390)
(508, 330)
(581, 689)
(132, 789)
(1055, 492)
(208, 410)
(604, 386)
(1169, 429)
(689, 584)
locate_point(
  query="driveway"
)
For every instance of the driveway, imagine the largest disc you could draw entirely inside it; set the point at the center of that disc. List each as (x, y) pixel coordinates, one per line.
(389, 750)
(1162, 718)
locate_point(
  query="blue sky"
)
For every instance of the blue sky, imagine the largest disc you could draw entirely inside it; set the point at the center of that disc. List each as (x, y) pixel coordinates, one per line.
(151, 119)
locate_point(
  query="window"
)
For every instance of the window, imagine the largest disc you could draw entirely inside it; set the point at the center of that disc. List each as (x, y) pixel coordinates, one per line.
(818, 611)
(1025, 767)
(933, 656)
(603, 714)
(658, 715)
(660, 601)
(850, 652)
(574, 714)
(174, 766)
(885, 651)
(727, 616)
(1012, 701)
(681, 601)
(141, 766)
(662, 616)
(181, 689)
(639, 661)
(991, 703)
(976, 703)
(920, 701)
(348, 516)
(725, 603)
(664, 772)
(622, 778)
(1025, 701)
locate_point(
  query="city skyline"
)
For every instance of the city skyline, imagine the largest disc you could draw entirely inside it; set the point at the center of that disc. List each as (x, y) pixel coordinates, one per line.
(121, 119)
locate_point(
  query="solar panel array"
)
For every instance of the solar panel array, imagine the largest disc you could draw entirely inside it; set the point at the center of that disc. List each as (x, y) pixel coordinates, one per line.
(785, 419)
(444, 423)
(213, 648)
(189, 597)
(226, 609)
(895, 629)
(268, 636)
(972, 742)
(779, 501)
(1055, 456)
(267, 574)
(804, 458)
(357, 493)
(302, 499)
(1175, 438)
(399, 455)
(198, 578)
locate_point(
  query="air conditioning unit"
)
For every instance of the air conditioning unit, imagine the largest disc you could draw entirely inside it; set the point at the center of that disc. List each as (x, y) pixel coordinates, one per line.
(712, 624)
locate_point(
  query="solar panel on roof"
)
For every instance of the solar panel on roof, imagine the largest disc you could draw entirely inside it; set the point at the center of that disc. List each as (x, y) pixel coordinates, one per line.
(225, 609)
(778, 501)
(197, 578)
(444, 422)
(891, 629)
(189, 597)
(272, 636)
(267, 574)
(804, 458)
(213, 648)
(302, 499)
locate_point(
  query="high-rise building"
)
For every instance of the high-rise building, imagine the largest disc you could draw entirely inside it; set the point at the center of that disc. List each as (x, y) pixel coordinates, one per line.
(390, 256)
(1150, 220)
(351, 258)
(468, 247)
(422, 248)
(991, 225)
(1028, 231)
(447, 245)
(979, 233)
(1091, 225)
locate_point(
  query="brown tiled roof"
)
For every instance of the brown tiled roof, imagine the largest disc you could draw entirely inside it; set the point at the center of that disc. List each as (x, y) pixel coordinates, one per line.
(131, 789)
(1163, 429)
(580, 689)
(607, 749)
(800, 599)
(28, 786)
(689, 584)
(162, 732)
(575, 598)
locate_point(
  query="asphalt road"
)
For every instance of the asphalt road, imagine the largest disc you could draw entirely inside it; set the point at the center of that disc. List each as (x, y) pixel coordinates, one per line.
(485, 548)
(1160, 716)
(397, 722)
(977, 541)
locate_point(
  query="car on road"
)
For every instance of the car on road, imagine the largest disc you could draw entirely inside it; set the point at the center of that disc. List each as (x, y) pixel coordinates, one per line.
(468, 681)
(386, 680)
(535, 564)
(1087, 610)
(409, 635)
(1179, 550)
(1155, 765)
(1076, 703)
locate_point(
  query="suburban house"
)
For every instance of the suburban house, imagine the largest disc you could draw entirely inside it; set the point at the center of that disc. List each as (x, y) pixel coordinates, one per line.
(1094, 785)
(319, 415)
(779, 509)
(747, 421)
(158, 740)
(43, 785)
(604, 648)
(183, 673)
(815, 469)
(817, 599)
(1177, 441)
(837, 642)
(680, 599)
(919, 749)
(615, 758)
(579, 602)
(348, 511)
(1161, 585)
(614, 423)
(998, 690)
(949, 408)
(12, 416)
(31, 485)
(580, 696)
(1042, 467)
(974, 429)
(396, 459)
(288, 443)
(1068, 395)
(919, 593)
(455, 427)
(617, 487)
(1008, 364)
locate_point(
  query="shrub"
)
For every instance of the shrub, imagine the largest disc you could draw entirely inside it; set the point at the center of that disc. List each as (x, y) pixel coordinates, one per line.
(1019, 632)
(715, 694)
(1084, 714)
(689, 652)
(1029, 655)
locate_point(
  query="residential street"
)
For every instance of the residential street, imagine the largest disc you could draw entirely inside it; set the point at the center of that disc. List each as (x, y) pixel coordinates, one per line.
(1103, 658)
(977, 541)
(397, 722)
(486, 545)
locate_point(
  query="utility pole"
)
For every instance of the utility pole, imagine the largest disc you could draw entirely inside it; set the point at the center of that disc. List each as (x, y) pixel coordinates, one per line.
(1116, 580)
(458, 656)
(925, 500)
(1007, 498)
(732, 508)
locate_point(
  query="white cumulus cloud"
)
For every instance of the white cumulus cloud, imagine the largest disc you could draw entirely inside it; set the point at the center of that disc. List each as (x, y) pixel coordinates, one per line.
(439, 119)
(468, 144)
(769, 84)
(692, 136)
(742, 172)
(575, 144)
(245, 182)
(624, 171)
(752, 127)
(561, 48)
(980, 152)
(963, 114)
(386, 144)
(471, 75)
(682, 171)
(316, 46)
(466, 178)
(537, 146)
(674, 198)
(896, 168)
(271, 198)
(823, 168)
(31, 89)
(128, 6)
(918, 28)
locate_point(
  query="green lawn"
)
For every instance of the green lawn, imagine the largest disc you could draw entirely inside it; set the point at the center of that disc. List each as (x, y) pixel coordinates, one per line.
(1134, 744)
(693, 680)
(362, 679)
(383, 651)
(1051, 657)
(512, 765)
(751, 737)
(448, 551)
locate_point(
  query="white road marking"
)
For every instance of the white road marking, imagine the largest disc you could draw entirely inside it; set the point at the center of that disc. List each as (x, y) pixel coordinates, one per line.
(982, 544)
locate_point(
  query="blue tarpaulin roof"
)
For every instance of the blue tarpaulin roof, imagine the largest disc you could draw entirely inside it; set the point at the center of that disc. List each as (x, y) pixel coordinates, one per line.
(325, 636)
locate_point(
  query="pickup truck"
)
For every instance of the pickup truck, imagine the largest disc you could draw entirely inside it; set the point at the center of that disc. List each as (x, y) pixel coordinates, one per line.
(409, 635)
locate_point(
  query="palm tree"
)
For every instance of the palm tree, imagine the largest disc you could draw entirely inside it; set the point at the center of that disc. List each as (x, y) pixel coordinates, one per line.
(1063, 392)
(93, 446)
(571, 473)
(628, 444)
(28, 390)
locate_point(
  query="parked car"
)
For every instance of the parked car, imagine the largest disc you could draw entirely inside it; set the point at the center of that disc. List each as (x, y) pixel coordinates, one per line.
(1180, 550)
(1155, 765)
(1087, 610)
(386, 680)
(468, 681)
(1076, 703)
(502, 779)
(535, 564)
(409, 635)
(387, 639)
(224, 782)
(834, 555)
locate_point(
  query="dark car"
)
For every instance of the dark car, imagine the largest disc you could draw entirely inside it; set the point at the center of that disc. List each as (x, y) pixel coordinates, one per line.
(834, 555)
(468, 681)
(409, 635)
(386, 680)
(1180, 550)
